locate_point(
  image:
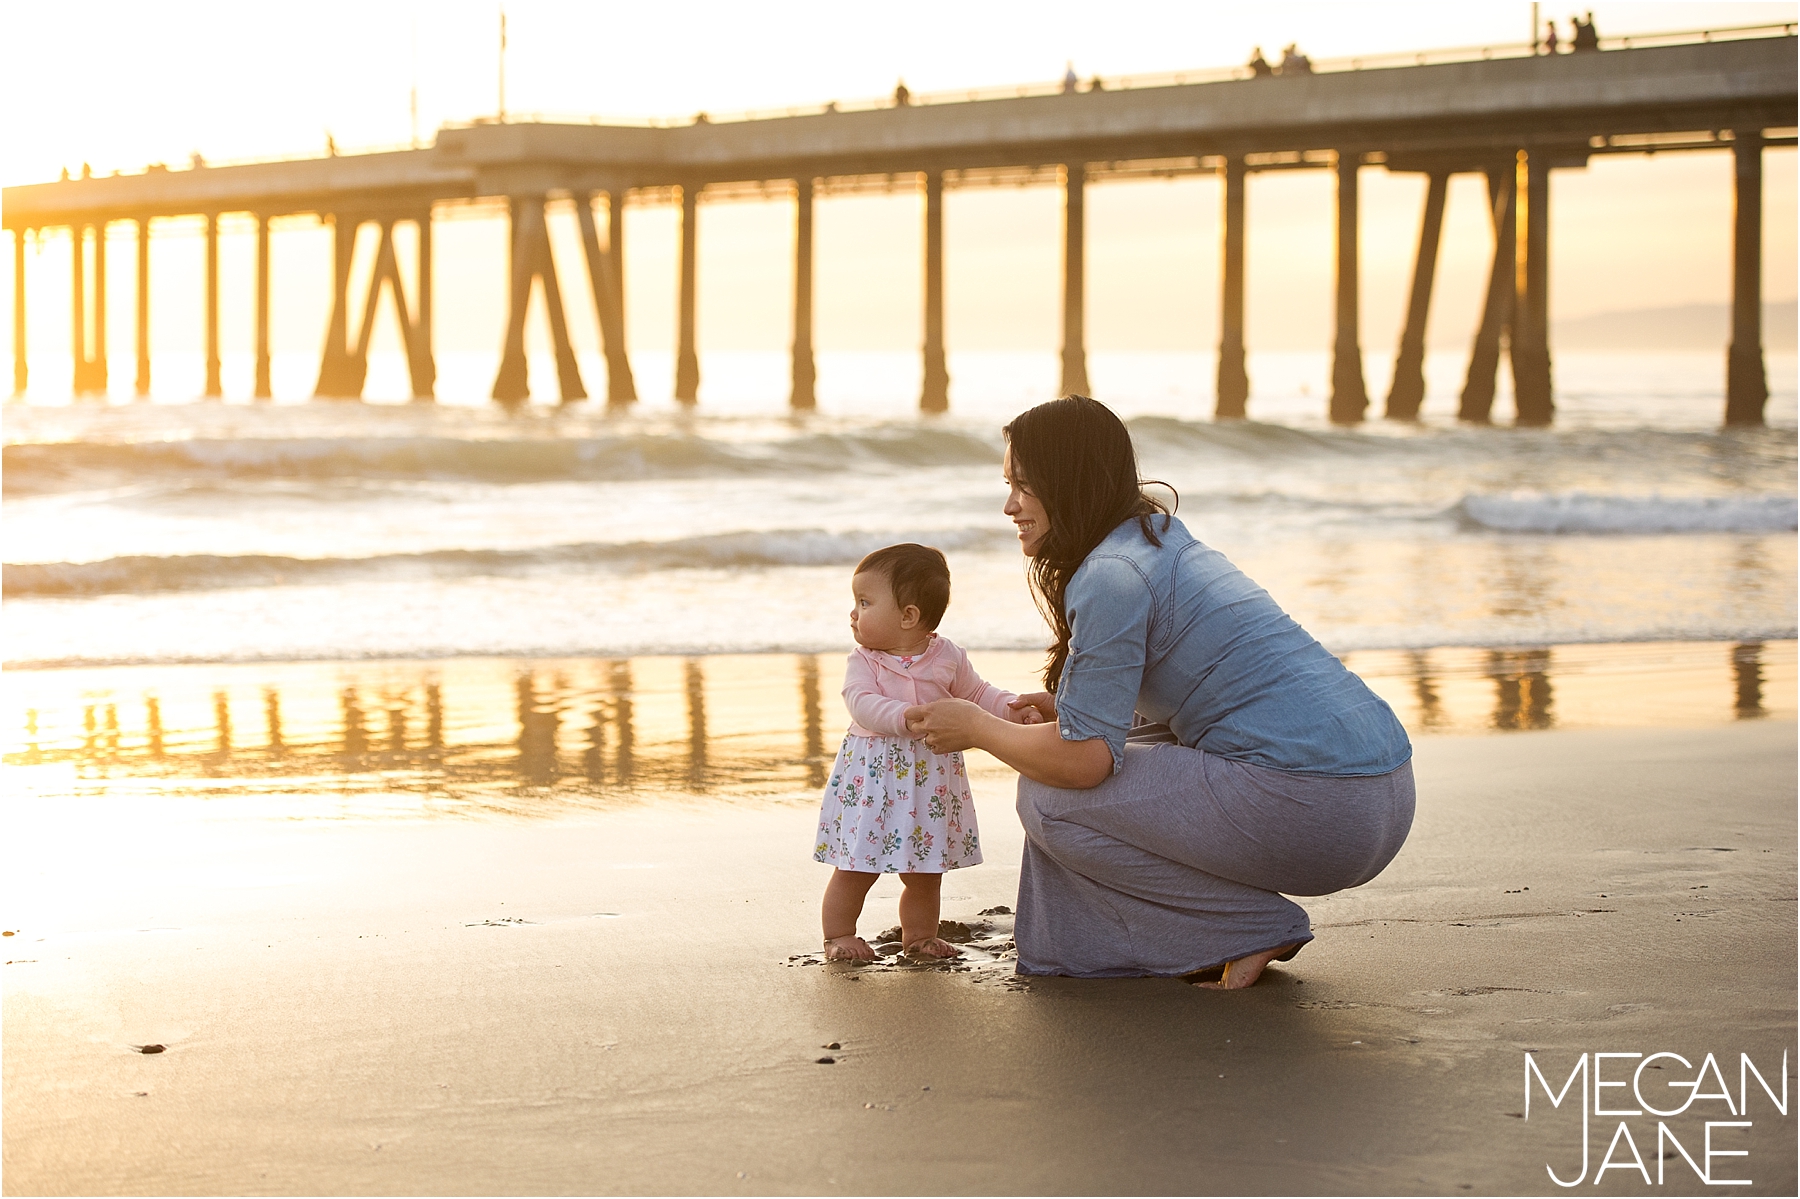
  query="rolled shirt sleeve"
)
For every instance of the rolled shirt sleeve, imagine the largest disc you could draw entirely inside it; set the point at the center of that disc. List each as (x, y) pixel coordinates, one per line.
(1109, 603)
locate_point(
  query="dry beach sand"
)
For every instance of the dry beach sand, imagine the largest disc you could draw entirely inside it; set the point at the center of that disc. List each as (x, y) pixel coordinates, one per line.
(617, 999)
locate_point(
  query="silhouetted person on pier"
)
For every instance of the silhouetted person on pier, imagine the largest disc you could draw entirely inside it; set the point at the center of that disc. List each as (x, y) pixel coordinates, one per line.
(1293, 62)
(1586, 38)
(1070, 82)
(1259, 66)
(1550, 42)
(1094, 85)
(902, 97)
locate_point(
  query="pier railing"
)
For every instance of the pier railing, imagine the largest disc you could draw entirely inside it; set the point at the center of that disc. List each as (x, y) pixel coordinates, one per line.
(1137, 82)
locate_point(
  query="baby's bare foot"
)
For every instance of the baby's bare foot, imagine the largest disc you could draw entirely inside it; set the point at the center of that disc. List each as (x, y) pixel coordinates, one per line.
(932, 947)
(1244, 971)
(848, 949)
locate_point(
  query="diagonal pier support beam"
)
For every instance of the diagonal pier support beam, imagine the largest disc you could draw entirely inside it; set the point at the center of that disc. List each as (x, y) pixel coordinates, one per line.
(1074, 345)
(1746, 384)
(1407, 391)
(1349, 398)
(934, 396)
(805, 372)
(602, 268)
(1533, 395)
(687, 360)
(1496, 313)
(531, 259)
(334, 359)
(1233, 380)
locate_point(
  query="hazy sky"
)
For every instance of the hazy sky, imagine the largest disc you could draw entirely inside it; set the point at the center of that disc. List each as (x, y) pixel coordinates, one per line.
(121, 85)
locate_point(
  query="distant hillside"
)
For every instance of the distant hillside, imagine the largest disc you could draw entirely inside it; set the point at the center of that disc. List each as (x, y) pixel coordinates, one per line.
(1686, 327)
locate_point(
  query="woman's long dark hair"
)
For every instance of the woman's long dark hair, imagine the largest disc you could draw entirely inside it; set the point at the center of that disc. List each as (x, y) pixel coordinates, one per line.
(1076, 457)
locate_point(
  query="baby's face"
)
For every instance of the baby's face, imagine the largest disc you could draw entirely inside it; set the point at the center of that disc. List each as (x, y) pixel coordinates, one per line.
(876, 618)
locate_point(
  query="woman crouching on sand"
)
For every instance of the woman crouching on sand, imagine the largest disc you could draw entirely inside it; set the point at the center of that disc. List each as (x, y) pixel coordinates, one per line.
(1258, 763)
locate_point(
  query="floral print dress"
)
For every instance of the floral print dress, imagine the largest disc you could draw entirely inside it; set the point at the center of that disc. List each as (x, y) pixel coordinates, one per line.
(892, 805)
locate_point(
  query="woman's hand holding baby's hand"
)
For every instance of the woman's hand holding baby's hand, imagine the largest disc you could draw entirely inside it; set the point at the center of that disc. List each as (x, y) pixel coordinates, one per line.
(1036, 708)
(946, 725)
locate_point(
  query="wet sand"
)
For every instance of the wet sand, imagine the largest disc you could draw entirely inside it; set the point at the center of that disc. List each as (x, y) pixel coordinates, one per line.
(610, 1001)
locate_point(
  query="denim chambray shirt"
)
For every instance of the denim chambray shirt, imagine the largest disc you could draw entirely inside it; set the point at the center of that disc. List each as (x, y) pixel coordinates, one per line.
(1180, 635)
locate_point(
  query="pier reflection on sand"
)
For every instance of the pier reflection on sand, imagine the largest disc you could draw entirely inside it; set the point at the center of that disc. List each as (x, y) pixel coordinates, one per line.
(468, 735)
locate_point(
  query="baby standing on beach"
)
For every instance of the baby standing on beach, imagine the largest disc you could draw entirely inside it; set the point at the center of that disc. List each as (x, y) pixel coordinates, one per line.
(892, 806)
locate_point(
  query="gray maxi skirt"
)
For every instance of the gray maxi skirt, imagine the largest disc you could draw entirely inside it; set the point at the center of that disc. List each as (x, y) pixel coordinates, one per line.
(1178, 862)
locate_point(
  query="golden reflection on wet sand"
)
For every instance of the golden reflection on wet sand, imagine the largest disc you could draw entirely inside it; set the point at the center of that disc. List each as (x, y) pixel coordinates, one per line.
(461, 735)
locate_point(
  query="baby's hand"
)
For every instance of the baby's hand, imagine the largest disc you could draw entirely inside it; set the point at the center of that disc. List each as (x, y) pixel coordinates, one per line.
(1035, 708)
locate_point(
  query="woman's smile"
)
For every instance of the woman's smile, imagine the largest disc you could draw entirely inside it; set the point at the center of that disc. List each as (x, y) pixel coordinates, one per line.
(1025, 509)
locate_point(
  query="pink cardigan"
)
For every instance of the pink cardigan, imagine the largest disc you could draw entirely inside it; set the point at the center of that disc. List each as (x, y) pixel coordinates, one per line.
(878, 689)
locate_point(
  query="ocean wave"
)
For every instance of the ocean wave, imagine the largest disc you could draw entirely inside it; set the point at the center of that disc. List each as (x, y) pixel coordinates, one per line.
(140, 574)
(1577, 512)
(42, 467)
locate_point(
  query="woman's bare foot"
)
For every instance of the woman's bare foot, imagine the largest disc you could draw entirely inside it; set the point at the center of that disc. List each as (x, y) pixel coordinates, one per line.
(932, 947)
(1245, 971)
(851, 948)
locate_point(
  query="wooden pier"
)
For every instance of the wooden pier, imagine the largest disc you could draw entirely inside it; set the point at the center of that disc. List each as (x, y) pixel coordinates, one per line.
(1513, 119)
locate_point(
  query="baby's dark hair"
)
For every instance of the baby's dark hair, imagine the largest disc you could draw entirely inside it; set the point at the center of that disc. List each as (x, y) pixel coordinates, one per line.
(917, 574)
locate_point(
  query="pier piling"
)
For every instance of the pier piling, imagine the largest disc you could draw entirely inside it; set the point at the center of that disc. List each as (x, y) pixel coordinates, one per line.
(1349, 398)
(1531, 320)
(20, 374)
(615, 250)
(531, 259)
(143, 307)
(1496, 313)
(1233, 379)
(1074, 347)
(1407, 391)
(422, 359)
(1746, 384)
(934, 396)
(213, 389)
(802, 398)
(687, 362)
(97, 362)
(603, 281)
(261, 390)
(78, 308)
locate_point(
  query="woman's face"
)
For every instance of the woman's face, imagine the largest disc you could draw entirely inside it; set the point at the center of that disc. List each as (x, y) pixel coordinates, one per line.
(1025, 509)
